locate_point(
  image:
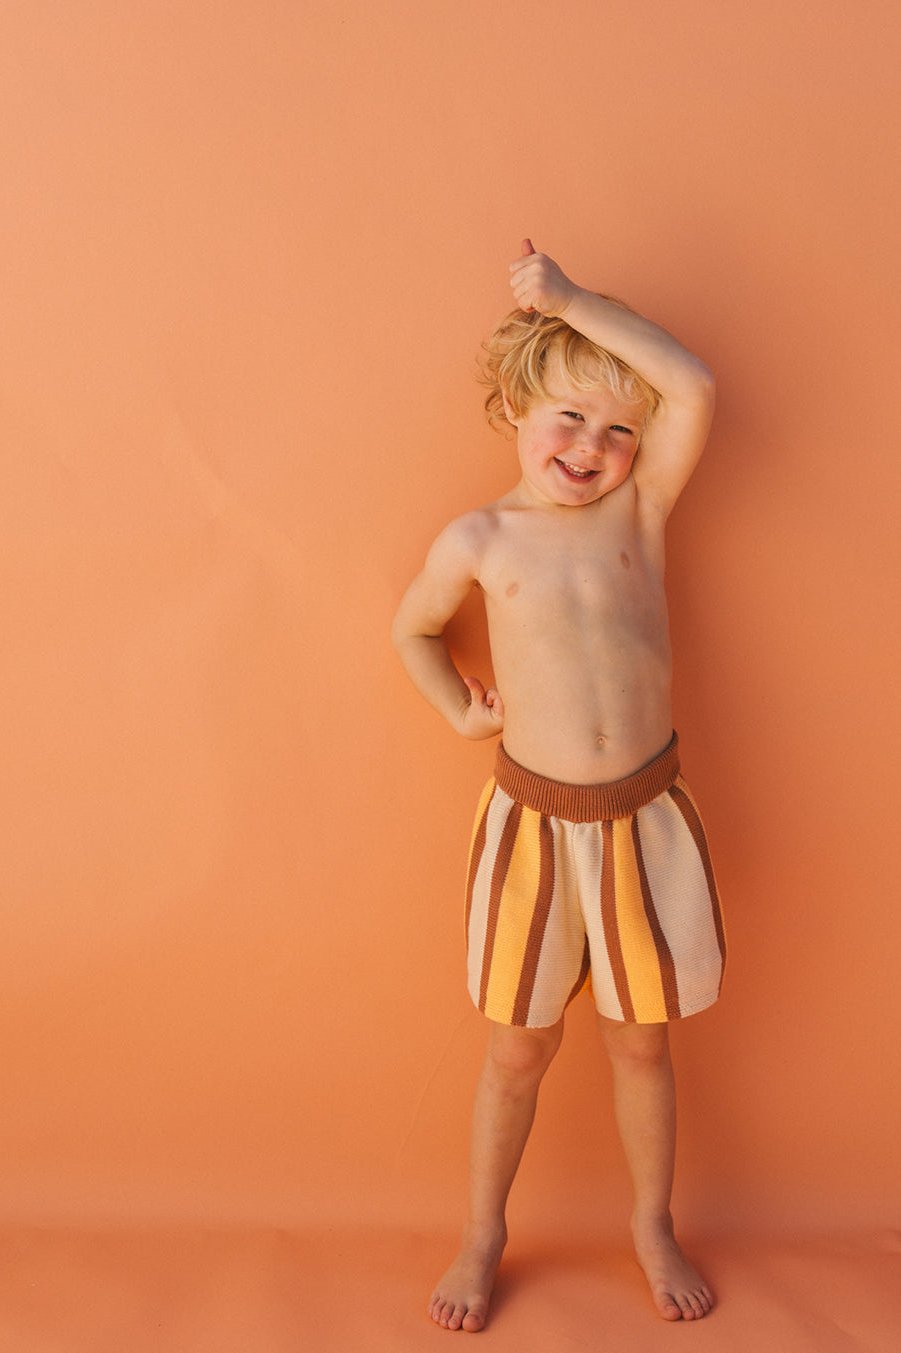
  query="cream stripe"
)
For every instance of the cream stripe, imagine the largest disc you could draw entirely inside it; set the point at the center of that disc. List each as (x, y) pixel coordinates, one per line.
(498, 811)
(517, 906)
(476, 850)
(636, 937)
(483, 804)
(564, 943)
(719, 920)
(679, 886)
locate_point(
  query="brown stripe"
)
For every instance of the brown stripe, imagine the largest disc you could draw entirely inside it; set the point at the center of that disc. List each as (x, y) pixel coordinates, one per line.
(540, 914)
(696, 827)
(583, 973)
(501, 865)
(588, 803)
(611, 931)
(664, 956)
(478, 847)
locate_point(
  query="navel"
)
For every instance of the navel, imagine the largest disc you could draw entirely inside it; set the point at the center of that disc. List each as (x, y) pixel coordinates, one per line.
(624, 559)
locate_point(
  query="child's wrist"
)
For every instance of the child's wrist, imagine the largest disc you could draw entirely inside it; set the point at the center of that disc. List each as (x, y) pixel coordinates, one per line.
(576, 295)
(457, 718)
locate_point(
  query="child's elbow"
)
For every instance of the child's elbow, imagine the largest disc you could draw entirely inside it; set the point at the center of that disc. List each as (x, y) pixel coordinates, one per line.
(704, 382)
(398, 632)
(402, 629)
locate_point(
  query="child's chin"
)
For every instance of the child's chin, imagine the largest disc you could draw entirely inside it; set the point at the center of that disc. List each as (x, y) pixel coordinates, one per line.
(578, 499)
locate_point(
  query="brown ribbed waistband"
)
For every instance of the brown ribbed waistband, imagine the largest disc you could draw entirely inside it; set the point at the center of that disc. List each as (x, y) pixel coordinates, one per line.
(588, 803)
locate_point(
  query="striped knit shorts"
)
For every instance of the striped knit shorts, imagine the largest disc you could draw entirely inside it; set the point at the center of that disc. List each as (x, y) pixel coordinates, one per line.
(608, 883)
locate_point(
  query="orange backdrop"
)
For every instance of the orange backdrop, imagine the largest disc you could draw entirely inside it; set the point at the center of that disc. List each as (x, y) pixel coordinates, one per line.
(250, 250)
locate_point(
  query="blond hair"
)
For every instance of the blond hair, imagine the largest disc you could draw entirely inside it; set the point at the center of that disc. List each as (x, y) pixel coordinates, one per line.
(522, 346)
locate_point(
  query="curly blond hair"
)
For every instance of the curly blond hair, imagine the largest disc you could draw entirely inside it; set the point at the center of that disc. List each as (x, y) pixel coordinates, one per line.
(517, 355)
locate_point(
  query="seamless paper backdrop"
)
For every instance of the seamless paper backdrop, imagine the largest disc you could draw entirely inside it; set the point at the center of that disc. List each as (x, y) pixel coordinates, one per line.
(250, 251)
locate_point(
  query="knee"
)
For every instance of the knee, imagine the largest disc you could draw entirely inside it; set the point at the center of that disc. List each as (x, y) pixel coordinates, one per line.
(637, 1044)
(523, 1054)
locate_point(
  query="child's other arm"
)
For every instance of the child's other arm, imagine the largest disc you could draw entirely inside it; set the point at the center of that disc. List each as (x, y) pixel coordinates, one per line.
(428, 604)
(672, 444)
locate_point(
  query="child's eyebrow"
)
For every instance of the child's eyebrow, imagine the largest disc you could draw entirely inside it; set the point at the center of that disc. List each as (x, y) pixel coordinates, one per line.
(577, 406)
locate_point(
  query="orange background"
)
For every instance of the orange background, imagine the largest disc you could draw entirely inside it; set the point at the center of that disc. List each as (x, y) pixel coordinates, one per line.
(250, 251)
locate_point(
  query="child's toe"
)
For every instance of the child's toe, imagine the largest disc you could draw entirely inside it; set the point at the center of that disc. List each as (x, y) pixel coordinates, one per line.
(456, 1317)
(474, 1320)
(670, 1308)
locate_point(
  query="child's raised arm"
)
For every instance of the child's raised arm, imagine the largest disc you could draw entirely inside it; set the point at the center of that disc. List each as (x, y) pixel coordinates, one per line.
(672, 444)
(428, 604)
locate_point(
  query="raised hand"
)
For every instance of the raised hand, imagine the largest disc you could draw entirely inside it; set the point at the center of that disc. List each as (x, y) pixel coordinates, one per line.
(539, 284)
(485, 714)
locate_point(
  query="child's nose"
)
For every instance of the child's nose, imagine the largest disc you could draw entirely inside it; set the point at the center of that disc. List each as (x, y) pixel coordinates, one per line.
(593, 439)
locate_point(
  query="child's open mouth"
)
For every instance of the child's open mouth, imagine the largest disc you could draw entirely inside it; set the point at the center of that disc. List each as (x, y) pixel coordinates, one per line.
(574, 472)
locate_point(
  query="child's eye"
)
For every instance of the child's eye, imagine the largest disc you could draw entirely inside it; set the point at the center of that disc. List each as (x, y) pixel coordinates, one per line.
(618, 427)
(570, 413)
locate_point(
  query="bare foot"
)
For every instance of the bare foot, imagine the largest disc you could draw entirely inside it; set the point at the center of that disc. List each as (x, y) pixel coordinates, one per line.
(679, 1291)
(460, 1301)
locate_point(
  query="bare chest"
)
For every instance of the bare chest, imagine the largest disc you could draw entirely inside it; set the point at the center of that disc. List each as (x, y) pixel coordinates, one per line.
(542, 574)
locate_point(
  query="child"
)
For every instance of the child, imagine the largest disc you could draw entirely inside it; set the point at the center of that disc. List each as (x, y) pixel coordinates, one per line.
(588, 854)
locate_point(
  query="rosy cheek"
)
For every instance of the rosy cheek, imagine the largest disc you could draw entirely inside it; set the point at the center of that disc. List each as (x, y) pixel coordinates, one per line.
(619, 461)
(559, 437)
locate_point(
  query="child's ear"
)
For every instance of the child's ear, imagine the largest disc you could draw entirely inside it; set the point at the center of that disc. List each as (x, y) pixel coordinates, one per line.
(509, 414)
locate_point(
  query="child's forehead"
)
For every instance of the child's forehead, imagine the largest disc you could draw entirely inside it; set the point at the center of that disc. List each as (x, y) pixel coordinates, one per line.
(560, 386)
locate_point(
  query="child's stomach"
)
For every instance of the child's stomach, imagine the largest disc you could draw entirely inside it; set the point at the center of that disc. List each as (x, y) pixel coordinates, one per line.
(587, 714)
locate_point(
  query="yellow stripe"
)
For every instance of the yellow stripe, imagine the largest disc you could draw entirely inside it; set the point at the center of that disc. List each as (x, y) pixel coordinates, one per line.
(635, 936)
(514, 919)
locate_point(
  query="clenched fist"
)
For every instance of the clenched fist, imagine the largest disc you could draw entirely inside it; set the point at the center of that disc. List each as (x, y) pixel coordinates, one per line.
(538, 284)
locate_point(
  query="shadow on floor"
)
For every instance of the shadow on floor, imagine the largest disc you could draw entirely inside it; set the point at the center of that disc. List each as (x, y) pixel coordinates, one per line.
(215, 1290)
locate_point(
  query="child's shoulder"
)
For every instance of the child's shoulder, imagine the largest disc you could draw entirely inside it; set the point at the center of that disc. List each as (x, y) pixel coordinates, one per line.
(470, 533)
(465, 543)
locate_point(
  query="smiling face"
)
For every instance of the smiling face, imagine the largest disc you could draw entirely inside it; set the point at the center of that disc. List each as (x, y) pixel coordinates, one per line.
(576, 445)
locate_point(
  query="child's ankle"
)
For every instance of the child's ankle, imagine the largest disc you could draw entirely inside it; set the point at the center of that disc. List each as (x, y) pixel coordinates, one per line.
(485, 1234)
(652, 1219)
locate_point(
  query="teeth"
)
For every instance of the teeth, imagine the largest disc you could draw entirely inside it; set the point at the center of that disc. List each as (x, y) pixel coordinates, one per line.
(576, 470)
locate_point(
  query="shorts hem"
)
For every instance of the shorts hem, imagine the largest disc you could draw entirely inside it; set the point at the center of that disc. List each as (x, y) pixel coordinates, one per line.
(695, 1008)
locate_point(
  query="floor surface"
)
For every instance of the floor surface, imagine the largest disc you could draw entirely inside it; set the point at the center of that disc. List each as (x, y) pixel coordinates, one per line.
(196, 1290)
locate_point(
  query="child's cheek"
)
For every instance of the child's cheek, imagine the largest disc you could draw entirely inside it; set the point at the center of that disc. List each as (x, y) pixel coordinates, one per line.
(618, 464)
(559, 439)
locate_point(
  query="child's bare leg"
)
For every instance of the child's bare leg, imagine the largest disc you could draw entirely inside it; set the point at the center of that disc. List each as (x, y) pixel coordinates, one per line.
(502, 1116)
(645, 1102)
